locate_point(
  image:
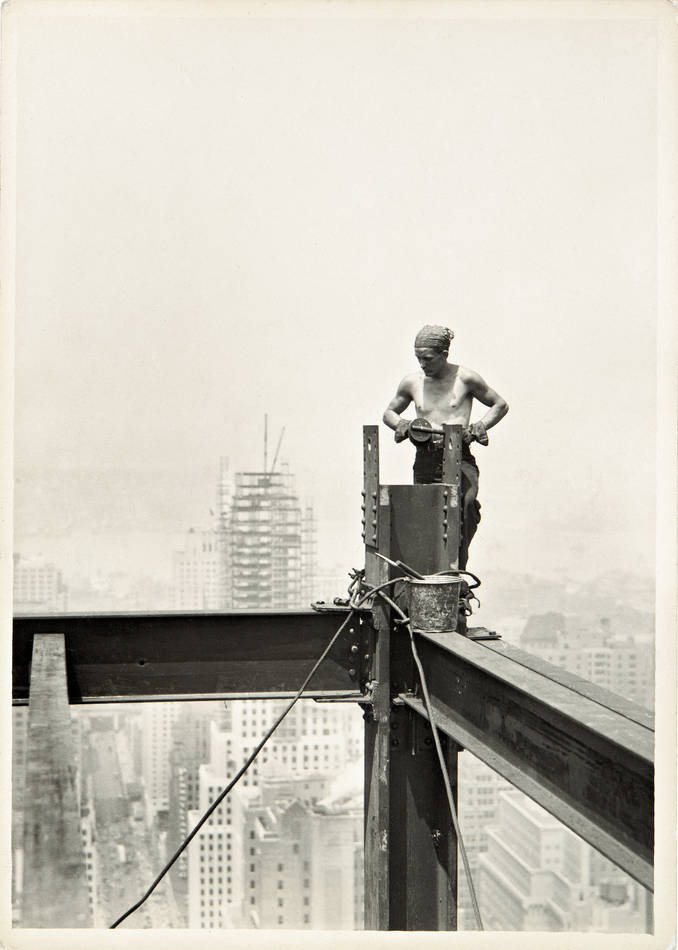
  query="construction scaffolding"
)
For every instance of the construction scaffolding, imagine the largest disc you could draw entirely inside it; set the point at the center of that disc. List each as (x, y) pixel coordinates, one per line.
(265, 542)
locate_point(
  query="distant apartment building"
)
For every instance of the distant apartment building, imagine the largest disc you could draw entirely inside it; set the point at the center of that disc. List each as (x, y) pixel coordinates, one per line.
(537, 875)
(157, 722)
(624, 666)
(215, 856)
(531, 876)
(38, 586)
(197, 572)
(201, 571)
(479, 790)
(304, 860)
(312, 745)
(190, 749)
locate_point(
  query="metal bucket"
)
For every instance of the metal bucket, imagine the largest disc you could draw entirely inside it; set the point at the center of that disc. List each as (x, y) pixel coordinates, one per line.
(434, 603)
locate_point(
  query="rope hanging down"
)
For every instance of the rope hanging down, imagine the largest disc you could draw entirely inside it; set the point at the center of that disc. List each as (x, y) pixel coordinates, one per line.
(356, 603)
(405, 621)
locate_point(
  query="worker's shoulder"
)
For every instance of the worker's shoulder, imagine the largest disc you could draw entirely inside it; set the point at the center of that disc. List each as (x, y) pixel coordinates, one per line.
(468, 376)
(407, 383)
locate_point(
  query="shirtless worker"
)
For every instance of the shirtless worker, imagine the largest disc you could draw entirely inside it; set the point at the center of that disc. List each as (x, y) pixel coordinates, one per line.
(443, 393)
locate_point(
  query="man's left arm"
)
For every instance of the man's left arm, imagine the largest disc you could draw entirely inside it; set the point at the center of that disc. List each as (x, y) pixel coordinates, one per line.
(498, 407)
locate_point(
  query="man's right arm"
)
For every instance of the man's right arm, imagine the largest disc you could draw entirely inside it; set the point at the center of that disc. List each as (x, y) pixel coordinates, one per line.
(397, 405)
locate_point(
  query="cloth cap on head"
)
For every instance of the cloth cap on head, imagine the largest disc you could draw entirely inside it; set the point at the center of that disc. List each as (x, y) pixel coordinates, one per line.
(438, 338)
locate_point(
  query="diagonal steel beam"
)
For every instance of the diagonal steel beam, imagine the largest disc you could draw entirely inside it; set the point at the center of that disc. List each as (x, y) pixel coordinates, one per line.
(588, 761)
(241, 654)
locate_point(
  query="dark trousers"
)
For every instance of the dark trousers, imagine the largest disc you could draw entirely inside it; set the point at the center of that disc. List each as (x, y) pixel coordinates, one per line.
(428, 468)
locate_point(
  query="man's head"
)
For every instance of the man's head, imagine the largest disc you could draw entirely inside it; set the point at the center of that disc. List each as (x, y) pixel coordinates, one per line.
(431, 346)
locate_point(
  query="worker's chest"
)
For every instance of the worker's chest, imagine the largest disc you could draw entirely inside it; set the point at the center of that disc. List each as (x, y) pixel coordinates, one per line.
(443, 396)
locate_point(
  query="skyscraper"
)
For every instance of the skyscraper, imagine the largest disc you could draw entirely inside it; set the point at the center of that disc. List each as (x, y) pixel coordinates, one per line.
(258, 553)
(158, 719)
(271, 542)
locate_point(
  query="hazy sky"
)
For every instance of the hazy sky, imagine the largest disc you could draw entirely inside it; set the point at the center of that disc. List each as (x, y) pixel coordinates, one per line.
(224, 216)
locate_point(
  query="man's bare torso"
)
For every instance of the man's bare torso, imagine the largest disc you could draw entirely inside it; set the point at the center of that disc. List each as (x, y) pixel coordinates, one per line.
(445, 400)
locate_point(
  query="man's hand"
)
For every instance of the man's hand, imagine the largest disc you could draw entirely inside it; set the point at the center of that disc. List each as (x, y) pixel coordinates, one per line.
(402, 431)
(476, 432)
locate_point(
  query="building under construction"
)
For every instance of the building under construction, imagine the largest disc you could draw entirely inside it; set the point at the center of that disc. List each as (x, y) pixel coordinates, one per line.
(270, 549)
(260, 553)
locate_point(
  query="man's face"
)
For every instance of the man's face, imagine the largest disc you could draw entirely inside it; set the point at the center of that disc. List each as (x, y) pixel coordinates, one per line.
(431, 361)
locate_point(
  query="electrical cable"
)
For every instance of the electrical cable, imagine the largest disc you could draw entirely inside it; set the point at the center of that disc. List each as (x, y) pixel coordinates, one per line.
(224, 792)
(446, 779)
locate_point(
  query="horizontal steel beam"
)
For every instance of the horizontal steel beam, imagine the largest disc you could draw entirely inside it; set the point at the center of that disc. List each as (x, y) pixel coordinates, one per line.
(583, 754)
(178, 656)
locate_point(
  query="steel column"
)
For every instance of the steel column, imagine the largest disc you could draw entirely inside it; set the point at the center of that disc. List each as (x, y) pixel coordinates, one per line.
(410, 845)
(377, 712)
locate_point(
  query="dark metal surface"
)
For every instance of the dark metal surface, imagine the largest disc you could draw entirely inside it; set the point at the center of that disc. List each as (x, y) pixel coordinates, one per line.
(136, 657)
(625, 707)
(424, 526)
(371, 485)
(423, 845)
(590, 766)
(452, 455)
(377, 712)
